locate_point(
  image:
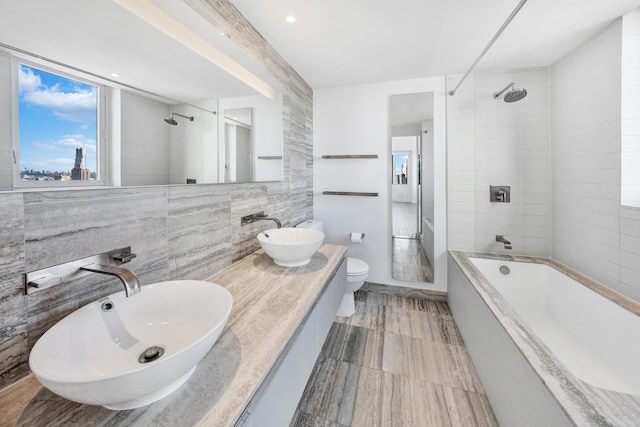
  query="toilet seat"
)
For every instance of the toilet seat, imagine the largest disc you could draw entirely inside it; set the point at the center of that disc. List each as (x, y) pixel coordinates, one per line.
(357, 270)
(356, 266)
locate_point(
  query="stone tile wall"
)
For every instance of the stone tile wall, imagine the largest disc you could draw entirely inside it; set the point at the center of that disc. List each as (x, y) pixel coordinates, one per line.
(178, 232)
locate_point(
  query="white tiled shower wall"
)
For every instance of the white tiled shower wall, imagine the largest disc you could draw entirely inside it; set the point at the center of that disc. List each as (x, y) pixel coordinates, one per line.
(585, 152)
(560, 149)
(491, 142)
(592, 232)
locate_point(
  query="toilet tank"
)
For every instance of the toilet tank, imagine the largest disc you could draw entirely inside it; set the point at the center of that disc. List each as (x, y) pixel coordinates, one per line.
(314, 224)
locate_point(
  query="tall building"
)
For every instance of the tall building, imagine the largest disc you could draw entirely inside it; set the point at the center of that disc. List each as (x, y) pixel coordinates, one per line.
(79, 171)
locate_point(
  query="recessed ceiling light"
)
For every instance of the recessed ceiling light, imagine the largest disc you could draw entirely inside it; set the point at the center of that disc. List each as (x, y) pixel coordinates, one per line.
(291, 19)
(115, 75)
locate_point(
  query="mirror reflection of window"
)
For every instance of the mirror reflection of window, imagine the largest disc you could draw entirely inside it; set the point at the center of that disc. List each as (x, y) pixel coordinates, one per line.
(57, 128)
(400, 169)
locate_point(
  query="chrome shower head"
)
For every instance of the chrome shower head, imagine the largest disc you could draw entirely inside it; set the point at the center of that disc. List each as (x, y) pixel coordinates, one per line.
(512, 95)
(174, 122)
(515, 95)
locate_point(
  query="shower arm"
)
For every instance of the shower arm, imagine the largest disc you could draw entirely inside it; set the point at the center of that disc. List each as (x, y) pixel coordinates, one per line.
(488, 46)
(497, 95)
(190, 118)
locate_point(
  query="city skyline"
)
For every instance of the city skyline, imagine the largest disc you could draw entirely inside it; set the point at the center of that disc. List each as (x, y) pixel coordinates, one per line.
(56, 116)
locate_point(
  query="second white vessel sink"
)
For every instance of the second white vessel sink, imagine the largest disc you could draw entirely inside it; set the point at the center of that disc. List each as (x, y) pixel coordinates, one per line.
(123, 353)
(291, 247)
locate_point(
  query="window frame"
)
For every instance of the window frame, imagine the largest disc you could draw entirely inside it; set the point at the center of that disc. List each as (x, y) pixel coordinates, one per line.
(101, 127)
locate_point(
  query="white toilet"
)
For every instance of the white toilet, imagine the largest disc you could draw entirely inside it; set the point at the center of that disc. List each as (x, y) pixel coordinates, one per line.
(357, 273)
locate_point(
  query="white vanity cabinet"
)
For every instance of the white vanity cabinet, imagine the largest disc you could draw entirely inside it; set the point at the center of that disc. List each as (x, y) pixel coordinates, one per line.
(275, 402)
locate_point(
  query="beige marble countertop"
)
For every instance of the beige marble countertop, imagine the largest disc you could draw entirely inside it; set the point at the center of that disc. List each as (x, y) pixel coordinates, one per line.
(583, 403)
(269, 304)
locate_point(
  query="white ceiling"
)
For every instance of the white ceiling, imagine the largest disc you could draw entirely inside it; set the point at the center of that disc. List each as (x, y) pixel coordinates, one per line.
(333, 42)
(341, 42)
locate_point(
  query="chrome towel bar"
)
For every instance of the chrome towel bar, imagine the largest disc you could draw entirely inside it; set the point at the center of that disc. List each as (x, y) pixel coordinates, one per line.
(350, 156)
(349, 193)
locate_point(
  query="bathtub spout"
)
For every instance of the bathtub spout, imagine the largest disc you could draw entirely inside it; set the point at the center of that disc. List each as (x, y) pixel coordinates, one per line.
(501, 239)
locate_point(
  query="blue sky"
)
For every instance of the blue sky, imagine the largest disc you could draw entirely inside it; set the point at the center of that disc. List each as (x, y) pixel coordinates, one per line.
(57, 115)
(399, 160)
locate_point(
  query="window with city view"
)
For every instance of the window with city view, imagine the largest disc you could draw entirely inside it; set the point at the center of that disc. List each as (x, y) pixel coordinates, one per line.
(57, 127)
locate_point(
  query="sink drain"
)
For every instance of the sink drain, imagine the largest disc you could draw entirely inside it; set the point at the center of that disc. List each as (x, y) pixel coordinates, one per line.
(106, 306)
(151, 354)
(504, 269)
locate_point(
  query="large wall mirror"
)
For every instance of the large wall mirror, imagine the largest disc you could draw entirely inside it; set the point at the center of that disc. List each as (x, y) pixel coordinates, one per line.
(98, 96)
(412, 187)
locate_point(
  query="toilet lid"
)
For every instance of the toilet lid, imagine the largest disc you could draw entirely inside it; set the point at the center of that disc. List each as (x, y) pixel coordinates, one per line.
(356, 266)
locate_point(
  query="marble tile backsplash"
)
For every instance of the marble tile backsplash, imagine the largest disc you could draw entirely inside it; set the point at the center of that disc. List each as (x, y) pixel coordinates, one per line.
(178, 232)
(13, 302)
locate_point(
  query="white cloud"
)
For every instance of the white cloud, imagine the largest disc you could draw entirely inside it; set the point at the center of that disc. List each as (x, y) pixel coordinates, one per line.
(27, 81)
(68, 142)
(74, 105)
(61, 101)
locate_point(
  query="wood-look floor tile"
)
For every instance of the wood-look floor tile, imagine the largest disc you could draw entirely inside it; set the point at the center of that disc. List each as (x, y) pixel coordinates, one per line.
(414, 369)
(445, 331)
(300, 419)
(413, 303)
(432, 361)
(377, 298)
(411, 402)
(346, 343)
(368, 316)
(374, 349)
(386, 399)
(408, 322)
(404, 302)
(441, 308)
(421, 324)
(367, 411)
(331, 391)
(468, 409)
(360, 295)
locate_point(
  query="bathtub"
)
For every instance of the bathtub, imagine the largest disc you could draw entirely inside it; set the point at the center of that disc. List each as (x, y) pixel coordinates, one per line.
(551, 346)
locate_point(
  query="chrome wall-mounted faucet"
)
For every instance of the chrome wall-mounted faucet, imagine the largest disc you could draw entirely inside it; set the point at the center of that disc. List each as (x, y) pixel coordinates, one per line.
(501, 239)
(105, 263)
(260, 216)
(127, 277)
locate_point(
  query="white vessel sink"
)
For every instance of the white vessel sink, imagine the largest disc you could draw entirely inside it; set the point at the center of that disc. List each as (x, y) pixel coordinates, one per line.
(291, 247)
(95, 355)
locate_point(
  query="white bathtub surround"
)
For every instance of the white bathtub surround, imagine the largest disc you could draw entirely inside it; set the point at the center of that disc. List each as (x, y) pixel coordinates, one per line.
(578, 325)
(522, 376)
